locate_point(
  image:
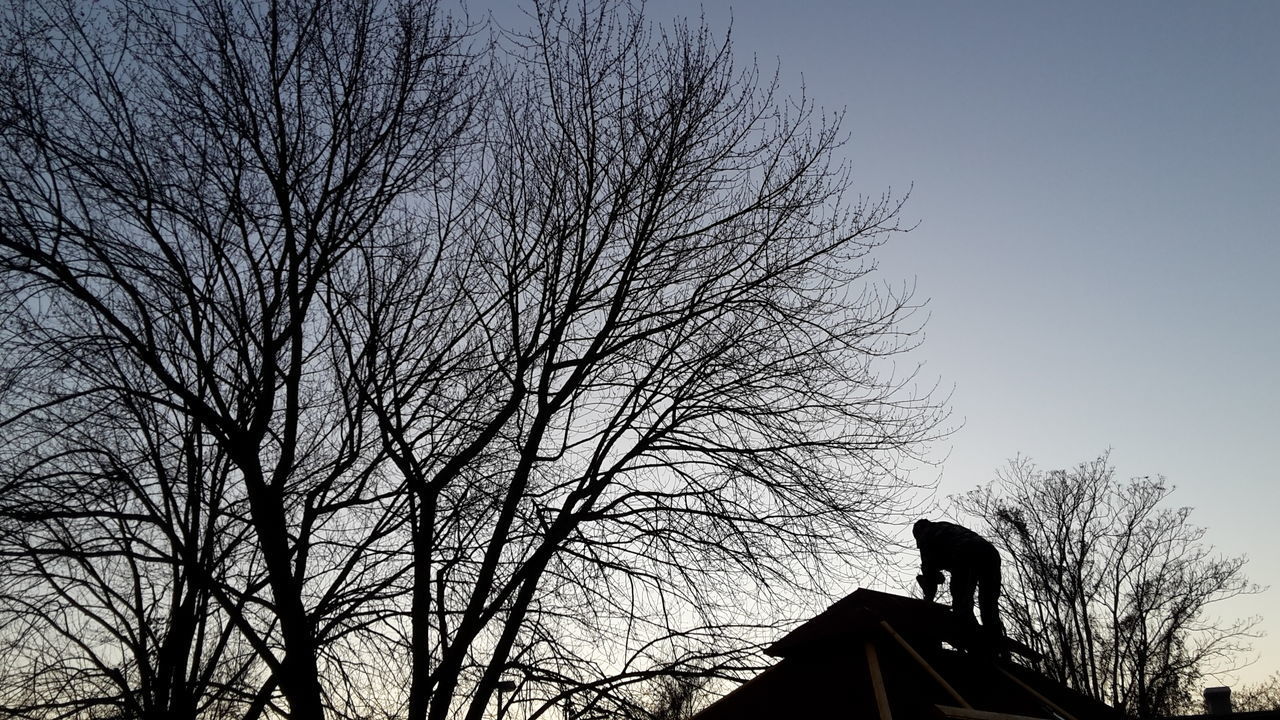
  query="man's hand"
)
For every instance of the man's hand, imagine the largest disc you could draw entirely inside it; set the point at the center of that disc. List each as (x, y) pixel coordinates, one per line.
(929, 584)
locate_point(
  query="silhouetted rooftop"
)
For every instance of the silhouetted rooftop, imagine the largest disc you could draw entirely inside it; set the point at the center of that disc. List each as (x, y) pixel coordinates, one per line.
(876, 655)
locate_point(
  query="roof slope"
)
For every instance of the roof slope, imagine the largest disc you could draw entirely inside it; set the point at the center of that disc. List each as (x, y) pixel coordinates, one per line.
(881, 656)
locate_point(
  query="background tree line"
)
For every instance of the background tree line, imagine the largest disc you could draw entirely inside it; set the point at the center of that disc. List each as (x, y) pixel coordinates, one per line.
(357, 358)
(1263, 695)
(1112, 585)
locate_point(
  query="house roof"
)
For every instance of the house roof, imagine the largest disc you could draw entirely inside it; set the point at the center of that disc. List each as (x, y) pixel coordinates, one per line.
(881, 656)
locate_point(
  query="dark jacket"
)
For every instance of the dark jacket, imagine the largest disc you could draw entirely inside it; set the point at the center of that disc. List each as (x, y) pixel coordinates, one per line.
(950, 547)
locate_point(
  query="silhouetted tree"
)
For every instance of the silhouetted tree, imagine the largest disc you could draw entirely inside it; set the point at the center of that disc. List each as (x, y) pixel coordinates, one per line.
(646, 386)
(181, 186)
(1263, 695)
(351, 373)
(668, 697)
(1112, 586)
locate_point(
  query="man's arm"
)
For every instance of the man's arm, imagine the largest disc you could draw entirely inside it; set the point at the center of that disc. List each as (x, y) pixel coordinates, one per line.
(929, 582)
(930, 576)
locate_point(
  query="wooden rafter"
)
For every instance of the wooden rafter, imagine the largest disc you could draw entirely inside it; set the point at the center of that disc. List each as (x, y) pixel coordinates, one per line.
(925, 664)
(877, 681)
(1047, 702)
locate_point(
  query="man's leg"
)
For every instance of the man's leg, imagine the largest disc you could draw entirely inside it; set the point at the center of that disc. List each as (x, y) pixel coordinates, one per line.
(962, 586)
(989, 598)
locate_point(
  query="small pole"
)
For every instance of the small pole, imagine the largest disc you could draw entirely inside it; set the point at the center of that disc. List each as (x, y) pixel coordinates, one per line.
(504, 686)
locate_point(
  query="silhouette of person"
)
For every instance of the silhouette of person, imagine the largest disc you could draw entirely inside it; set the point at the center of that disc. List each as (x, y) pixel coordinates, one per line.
(973, 563)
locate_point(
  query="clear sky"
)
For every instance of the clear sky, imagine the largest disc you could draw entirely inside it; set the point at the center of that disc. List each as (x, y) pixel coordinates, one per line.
(1098, 191)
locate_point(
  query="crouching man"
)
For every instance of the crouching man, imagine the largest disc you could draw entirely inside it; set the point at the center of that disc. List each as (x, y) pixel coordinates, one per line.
(972, 561)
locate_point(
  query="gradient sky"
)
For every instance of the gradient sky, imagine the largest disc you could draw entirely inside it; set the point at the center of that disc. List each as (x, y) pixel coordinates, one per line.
(1098, 191)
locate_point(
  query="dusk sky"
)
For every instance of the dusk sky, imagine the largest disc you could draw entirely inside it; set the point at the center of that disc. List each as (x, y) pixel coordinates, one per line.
(1097, 187)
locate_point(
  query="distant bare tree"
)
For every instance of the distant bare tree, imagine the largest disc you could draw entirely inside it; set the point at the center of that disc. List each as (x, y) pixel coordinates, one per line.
(352, 374)
(1111, 585)
(1264, 695)
(668, 697)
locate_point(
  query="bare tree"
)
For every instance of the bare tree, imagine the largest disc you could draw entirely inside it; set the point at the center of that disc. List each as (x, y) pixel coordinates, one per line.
(405, 379)
(641, 384)
(180, 185)
(1112, 586)
(668, 697)
(1264, 695)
